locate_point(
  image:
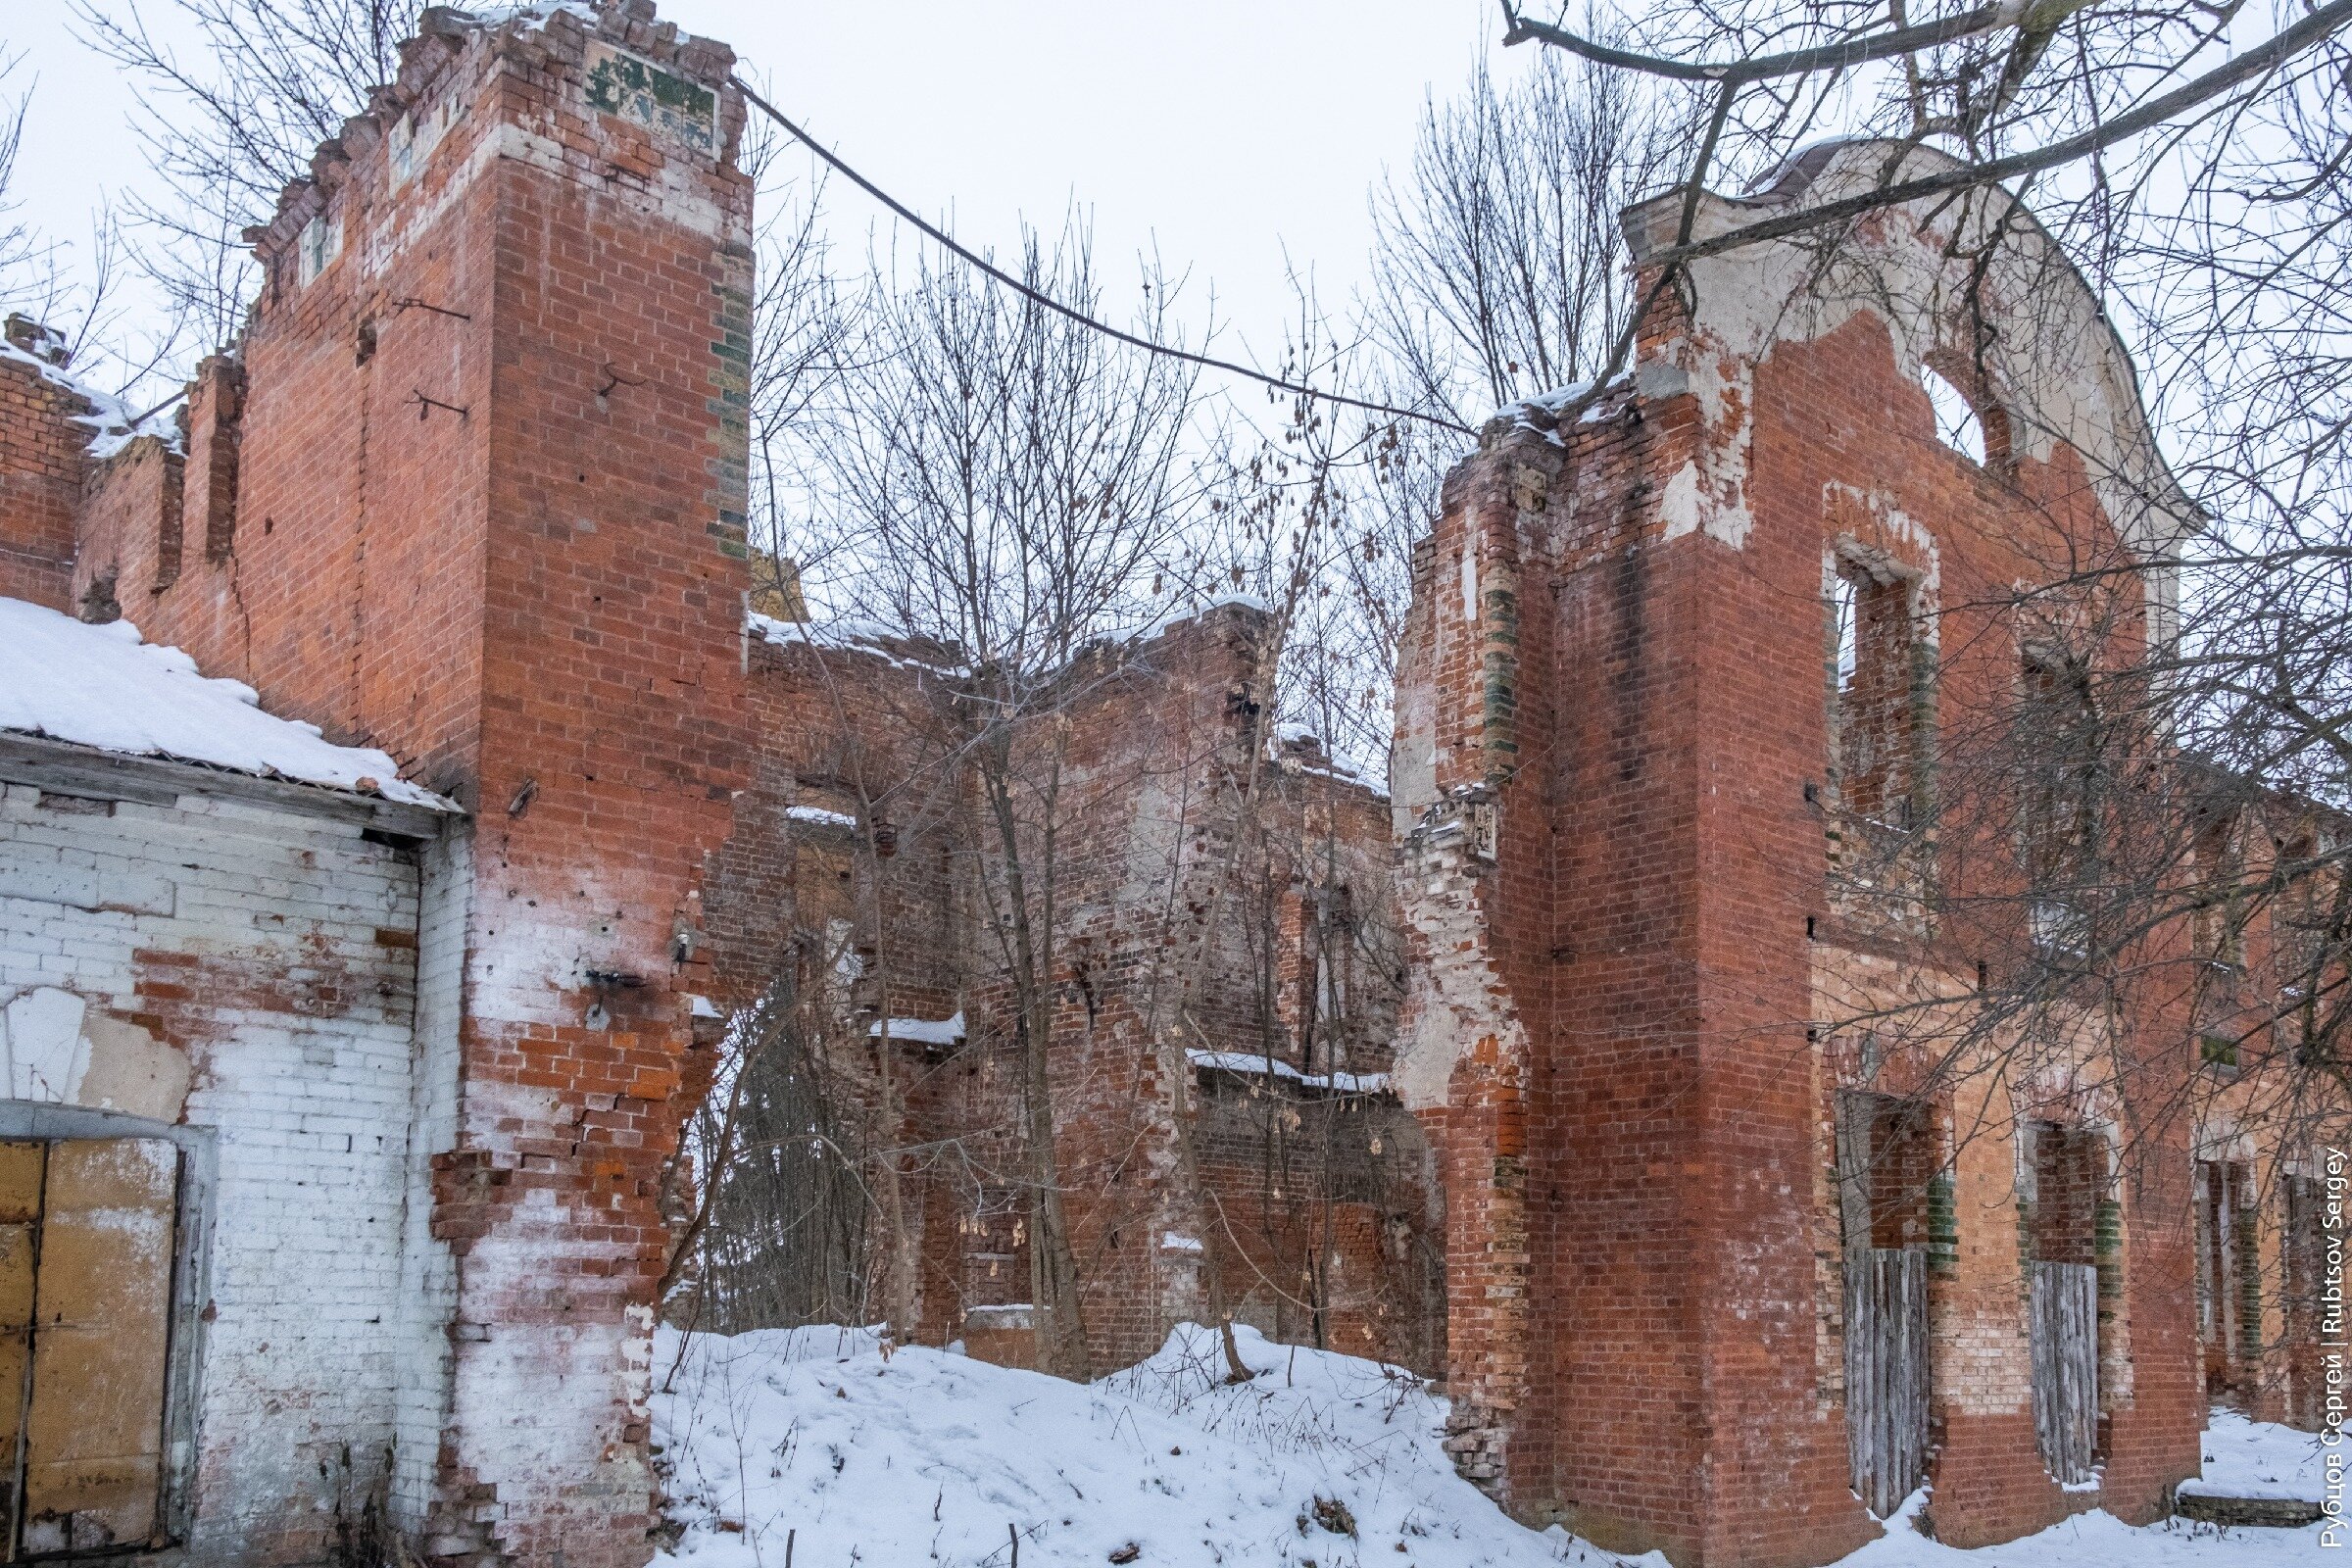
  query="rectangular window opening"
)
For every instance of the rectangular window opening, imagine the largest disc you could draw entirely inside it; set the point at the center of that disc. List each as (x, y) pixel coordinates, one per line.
(2229, 1278)
(1872, 703)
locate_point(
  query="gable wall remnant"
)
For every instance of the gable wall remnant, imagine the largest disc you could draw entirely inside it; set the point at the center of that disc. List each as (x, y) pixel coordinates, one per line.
(1639, 903)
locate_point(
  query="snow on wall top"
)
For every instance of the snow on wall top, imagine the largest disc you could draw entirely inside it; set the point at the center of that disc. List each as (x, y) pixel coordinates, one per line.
(112, 423)
(869, 637)
(921, 1031)
(1243, 1062)
(107, 687)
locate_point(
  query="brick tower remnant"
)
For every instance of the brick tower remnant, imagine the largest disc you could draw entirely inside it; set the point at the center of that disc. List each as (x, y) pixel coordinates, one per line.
(1619, 779)
(469, 489)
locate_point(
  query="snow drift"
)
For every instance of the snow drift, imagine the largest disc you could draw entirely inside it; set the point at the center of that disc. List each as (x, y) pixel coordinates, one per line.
(813, 1438)
(931, 1458)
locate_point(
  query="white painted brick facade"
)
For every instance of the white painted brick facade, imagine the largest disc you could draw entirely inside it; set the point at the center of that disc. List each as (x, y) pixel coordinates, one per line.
(278, 952)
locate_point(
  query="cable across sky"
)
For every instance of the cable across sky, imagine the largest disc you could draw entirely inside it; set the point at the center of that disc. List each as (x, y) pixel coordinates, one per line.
(971, 257)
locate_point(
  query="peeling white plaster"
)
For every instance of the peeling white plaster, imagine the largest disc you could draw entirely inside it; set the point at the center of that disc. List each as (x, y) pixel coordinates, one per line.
(132, 1071)
(1678, 503)
(46, 1055)
(2054, 363)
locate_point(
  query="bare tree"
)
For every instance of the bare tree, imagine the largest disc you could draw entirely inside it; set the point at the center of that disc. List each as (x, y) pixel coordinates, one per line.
(767, 1192)
(2128, 109)
(1499, 272)
(800, 331)
(18, 241)
(1013, 479)
(231, 120)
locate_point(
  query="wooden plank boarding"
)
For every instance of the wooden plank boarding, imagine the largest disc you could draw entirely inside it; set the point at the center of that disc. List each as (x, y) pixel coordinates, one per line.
(2064, 1303)
(1887, 1374)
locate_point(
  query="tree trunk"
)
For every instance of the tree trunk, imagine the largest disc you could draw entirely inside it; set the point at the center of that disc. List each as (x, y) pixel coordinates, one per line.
(899, 1292)
(1061, 1328)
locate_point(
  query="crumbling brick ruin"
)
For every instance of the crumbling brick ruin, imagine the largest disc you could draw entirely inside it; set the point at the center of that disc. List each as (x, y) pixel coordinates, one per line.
(469, 489)
(1553, 1076)
(1287, 1036)
(1662, 811)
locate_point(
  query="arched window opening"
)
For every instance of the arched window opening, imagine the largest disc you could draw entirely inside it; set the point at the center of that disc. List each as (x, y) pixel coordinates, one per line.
(1956, 423)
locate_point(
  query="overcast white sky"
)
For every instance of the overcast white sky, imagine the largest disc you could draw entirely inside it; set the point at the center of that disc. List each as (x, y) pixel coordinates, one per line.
(1231, 133)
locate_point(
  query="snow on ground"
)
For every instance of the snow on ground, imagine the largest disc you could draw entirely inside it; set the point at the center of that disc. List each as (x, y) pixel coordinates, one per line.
(2258, 1459)
(931, 1458)
(813, 1437)
(2102, 1541)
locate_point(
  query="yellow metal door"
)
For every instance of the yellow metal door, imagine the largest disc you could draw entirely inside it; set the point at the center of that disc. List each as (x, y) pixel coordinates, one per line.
(102, 1313)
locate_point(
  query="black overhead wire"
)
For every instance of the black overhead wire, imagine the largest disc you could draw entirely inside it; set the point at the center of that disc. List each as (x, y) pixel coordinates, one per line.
(1037, 297)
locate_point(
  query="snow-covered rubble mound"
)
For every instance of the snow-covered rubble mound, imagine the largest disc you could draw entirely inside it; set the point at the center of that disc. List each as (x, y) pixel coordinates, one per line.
(931, 1458)
(2259, 1459)
(813, 1437)
(2099, 1539)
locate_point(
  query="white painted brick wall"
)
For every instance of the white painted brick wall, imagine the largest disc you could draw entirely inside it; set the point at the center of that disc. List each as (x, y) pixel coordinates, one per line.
(328, 1297)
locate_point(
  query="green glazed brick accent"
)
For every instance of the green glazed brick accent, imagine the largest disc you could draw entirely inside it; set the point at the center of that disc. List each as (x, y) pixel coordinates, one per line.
(2248, 1227)
(1944, 1225)
(662, 101)
(1501, 669)
(2109, 1244)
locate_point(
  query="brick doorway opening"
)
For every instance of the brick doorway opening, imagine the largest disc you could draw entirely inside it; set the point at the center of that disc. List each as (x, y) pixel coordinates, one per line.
(1887, 1159)
(2070, 1178)
(89, 1244)
(2229, 1279)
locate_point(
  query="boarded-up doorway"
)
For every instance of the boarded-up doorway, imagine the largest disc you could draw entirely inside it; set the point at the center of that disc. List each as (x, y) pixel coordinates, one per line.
(87, 1241)
(2070, 1177)
(1885, 1161)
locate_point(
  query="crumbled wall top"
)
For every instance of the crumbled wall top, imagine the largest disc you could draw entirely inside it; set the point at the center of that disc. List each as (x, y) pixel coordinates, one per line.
(112, 423)
(2051, 356)
(558, 27)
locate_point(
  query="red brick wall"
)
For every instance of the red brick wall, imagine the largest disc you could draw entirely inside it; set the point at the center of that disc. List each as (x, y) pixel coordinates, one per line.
(1992, 529)
(40, 482)
(1615, 768)
(347, 581)
(1146, 809)
(130, 530)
